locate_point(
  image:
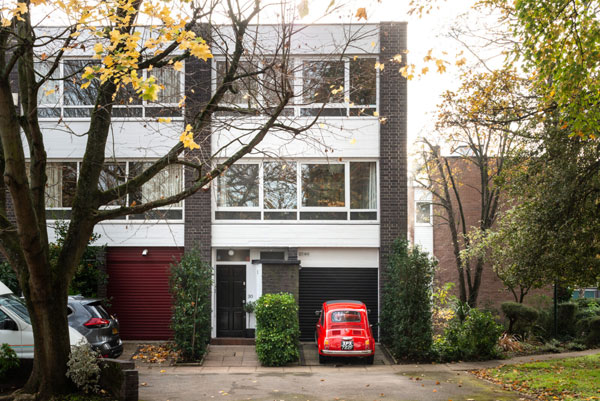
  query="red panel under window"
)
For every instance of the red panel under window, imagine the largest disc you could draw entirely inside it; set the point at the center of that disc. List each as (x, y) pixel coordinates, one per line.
(138, 290)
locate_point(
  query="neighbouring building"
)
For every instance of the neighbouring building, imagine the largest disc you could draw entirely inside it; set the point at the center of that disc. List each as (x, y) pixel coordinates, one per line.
(316, 221)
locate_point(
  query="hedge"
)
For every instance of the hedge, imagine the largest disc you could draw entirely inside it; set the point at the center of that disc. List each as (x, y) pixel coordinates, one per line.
(277, 329)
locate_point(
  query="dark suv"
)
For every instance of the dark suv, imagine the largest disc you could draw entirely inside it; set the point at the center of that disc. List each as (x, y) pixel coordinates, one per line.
(89, 317)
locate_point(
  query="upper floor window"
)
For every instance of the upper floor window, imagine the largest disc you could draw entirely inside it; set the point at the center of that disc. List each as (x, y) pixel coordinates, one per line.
(63, 97)
(62, 183)
(347, 86)
(291, 190)
(423, 213)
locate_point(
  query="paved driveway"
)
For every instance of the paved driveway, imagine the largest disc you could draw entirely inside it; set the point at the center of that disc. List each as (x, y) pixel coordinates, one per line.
(314, 383)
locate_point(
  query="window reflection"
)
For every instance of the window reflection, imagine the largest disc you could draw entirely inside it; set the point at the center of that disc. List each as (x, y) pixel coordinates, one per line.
(280, 185)
(323, 185)
(238, 186)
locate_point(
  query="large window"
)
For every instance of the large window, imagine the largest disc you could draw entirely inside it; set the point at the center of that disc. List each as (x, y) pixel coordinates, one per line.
(62, 184)
(63, 97)
(347, 86)
(293, 190)
(423, 213)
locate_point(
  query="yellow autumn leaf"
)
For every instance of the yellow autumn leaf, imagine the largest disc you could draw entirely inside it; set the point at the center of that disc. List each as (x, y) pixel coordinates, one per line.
(397, 58)
(164, 119)
(379, 66)
(98, 47)
(361, 13)
(352, 141)
(375, 114)
(441, 68)
(49, 92)
(86, 84)
(177, 66)
(5, 22)
(460, 62)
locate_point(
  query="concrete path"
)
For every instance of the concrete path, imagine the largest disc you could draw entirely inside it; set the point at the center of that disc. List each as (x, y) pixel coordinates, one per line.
(245, 379)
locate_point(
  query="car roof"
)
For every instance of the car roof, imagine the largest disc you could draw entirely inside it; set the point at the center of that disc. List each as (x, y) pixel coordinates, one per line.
(81, 299)
(343, 303)
(4, 290)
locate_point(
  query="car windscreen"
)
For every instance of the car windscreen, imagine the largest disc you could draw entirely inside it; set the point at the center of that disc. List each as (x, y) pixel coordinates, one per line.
(97, 310)
(345, 316)
(15, 305)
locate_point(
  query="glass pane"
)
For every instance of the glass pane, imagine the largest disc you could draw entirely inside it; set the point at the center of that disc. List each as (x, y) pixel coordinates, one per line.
(49, 92)
(112, 175)
(323, 216)
(169, 78)
(276, 81)
(61, 184)
(77, 112)
(423, 212)
(363, 78)
(167, 182)
(363, 185)
(233, 255)
(238, 186)
(74, 95)
(280, 185)
(320, 78)
(243, 91)
(237, 215)
(280, 215)
(363, 215)
(272, 255)
(323, 185)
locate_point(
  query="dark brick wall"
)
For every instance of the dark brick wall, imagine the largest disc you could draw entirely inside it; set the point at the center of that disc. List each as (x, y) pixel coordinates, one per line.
(198, 206)
(281, 278)
(392, 142)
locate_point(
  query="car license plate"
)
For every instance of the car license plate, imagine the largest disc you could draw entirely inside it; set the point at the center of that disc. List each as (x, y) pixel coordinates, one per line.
(115, 330)
(347, 345)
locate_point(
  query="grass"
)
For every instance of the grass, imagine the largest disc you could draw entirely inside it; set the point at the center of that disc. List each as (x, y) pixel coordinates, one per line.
(564, 379)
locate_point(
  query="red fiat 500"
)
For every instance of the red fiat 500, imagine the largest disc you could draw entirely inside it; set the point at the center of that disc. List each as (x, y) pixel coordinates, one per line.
(343, 330)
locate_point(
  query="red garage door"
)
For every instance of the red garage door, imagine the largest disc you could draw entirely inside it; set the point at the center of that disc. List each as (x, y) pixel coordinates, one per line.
(138, 290)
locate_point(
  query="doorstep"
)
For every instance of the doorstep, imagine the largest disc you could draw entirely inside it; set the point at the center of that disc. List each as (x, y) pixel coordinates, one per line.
(232, 341)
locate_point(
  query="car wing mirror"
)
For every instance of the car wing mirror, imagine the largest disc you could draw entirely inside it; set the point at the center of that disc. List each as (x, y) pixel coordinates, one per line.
(9, 324)
(317, 313)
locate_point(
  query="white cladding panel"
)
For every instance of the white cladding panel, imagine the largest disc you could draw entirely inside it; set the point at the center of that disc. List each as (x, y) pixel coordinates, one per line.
(339, 257)
(332, 137)
(424, 237)
(306, 39)
(127, 139)
(296, 235)
(145, 234)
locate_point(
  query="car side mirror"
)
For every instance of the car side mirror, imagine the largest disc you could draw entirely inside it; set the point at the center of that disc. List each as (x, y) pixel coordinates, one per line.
(317, 313)
(9, 324)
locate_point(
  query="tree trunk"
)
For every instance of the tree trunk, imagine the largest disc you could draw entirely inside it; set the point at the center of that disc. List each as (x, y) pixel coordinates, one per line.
(48, 309)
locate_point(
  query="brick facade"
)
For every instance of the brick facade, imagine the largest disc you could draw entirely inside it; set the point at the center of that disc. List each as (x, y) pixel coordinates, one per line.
(392, 142)
(198, 206)
(281, 277)
(491, 291)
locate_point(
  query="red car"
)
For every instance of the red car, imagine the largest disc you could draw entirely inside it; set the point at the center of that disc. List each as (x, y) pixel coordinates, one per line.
(343, 330)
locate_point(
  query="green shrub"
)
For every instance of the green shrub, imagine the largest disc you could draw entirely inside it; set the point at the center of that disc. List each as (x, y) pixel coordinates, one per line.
(521, 317)
(9, 278)
(190, 284)
(588, 330)
(277, 329)
(474, 338)
(8, 360)
(83, 367)
(406, 313)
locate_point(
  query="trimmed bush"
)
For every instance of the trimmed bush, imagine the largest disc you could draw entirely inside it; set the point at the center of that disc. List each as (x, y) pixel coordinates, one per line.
(474, 338)
(588, 330)
(521, 317)
(406, 313)
(191, 281)
(277, 329)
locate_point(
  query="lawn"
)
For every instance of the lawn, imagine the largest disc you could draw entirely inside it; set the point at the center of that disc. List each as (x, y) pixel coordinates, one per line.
(563, 379)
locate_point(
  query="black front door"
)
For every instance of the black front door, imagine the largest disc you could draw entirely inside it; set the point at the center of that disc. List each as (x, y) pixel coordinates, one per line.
(231, 294)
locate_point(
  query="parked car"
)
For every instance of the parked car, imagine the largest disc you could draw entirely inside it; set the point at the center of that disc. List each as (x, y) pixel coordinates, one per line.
(343, 330)
(15, 325)
(89, 317)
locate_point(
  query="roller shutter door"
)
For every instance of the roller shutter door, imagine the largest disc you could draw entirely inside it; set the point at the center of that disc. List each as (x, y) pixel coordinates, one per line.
(320, 284)
(138, 290)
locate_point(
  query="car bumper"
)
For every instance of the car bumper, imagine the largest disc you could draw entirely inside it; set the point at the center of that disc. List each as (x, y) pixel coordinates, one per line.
(330, 352)
(110, 349)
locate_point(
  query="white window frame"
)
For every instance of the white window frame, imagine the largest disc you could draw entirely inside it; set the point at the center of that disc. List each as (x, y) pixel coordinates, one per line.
(127, 218)
(422, 224)
(143, 105)
(299, 208)
(298, 84)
